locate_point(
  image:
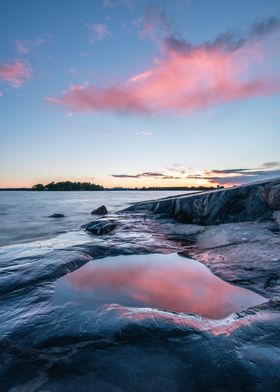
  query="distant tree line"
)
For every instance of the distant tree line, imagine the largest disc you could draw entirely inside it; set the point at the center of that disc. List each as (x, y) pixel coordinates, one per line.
(87, 186)
(68, 186)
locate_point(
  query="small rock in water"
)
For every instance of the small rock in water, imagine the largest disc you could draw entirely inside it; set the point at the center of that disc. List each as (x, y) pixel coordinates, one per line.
(100, 227)
(100, 211)
(56, 216)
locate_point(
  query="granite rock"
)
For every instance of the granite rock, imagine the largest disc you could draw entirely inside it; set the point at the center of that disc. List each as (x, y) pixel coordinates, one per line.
(251, 202)
(100, 211)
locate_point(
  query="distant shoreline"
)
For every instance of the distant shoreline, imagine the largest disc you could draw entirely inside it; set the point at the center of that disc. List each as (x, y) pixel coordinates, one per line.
(68, 186)
(115, 189)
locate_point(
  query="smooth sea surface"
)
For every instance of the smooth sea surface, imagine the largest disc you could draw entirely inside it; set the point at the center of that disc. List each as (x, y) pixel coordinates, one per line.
(24, 215)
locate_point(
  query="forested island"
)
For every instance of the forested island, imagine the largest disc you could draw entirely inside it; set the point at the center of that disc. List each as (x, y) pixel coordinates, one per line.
(87, 186)
(68, 186)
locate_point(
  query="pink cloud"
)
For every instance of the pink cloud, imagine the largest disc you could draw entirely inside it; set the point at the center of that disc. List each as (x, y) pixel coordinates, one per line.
(186, 79)
(87, 99)
(98, 32)
(15, 73)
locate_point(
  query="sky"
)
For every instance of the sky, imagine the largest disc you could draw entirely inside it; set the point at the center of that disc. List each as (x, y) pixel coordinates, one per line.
(137, 93)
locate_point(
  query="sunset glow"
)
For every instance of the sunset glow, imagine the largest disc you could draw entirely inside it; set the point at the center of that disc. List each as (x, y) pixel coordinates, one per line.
(130, 87)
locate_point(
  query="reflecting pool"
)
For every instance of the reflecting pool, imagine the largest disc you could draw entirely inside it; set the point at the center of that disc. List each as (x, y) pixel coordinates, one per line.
(168, 282)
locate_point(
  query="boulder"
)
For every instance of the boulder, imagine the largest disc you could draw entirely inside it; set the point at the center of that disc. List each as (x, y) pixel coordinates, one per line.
(100, 211)
(100, 227)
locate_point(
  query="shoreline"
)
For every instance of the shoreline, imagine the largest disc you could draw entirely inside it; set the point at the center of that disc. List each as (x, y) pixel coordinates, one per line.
(115, 190)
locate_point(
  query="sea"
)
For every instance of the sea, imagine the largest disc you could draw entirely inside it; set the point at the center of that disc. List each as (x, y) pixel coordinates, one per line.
(24, 215)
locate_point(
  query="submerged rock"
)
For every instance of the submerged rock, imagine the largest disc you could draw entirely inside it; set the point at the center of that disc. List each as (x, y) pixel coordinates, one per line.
(100, 227)
(257, 201)
(56, 216)
(100, 211)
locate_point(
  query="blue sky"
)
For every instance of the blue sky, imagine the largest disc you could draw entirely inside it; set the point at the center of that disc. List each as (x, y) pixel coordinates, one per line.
(139, 93)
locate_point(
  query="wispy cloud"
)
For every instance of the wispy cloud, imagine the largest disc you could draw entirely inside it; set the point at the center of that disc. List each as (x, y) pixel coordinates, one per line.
(229, 40)
(188, 77)
(16, 72)
(129, 4)
(240, 179)
(107, 4)
(269, 165)
(125, 175)
(98, 32)
(86, 53)
(166, 177)
(26, 46)
(140, 175)
(228, 177)
(239, 176)
(154, 22)
(229, 171)
(144, 133)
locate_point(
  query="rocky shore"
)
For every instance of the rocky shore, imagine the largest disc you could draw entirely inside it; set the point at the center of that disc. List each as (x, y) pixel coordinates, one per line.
(258, 201)
(235, 232)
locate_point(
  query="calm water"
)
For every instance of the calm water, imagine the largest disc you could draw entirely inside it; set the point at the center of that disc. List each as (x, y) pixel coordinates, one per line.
(168, 282)
(24, 215)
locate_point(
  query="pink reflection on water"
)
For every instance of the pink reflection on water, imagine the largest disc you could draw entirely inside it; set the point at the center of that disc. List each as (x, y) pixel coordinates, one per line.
(167, 282)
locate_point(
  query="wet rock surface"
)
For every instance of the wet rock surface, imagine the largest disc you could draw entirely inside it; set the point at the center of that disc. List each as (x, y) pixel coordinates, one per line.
(61, 347)
(100, 227)
(238, 204)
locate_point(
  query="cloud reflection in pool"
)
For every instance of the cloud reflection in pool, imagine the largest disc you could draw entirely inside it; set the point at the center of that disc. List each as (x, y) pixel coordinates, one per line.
(169, 282)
